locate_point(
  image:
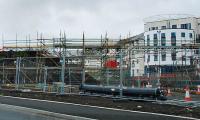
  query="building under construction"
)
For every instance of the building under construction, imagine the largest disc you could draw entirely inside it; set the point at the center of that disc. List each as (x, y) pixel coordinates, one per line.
(43, 63)
(165, 55)
(57, 64)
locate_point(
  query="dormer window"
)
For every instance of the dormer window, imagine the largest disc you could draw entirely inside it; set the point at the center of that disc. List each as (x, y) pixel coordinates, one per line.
(163, 27)
(174, 26)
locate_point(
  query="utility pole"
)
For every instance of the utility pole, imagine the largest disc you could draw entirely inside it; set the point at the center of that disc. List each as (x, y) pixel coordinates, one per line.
(45, 79)
(24, 81)
(83, 60)
(101, 61)
(63, 66)
(3, 73)
(159, 57)
(62, 74)
(16, 75)
(129, 65)
(106, 59)
(69, 79)
(182, 64)
(121, 74)
(18, 62)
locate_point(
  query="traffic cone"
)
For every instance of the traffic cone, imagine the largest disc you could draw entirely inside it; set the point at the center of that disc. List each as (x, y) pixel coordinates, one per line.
(169, 92)
(187, 95)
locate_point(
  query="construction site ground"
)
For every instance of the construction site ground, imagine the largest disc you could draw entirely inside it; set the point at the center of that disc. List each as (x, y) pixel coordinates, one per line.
(165, 107)
(181, 96)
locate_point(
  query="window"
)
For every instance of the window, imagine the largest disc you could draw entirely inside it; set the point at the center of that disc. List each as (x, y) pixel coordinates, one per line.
(163, 56)
(173, 55)
(189, 26)
(190, 35)
(198, 38)
(184, 26)
(182, 34)
(148, 58)
(173, 39)
(155, 39)
(155, 36)
(197, 52)
(183, 58)
(147, 69)
(149, 29)
(174, 26)
(133, 63)
(153, 28)
(156, 28)
(155, 55)
(163, 27)
(163, 39)
(137, 42)
(148, 40)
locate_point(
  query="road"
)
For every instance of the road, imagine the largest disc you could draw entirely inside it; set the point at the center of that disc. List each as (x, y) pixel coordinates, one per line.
(85, 110)
(10, 112)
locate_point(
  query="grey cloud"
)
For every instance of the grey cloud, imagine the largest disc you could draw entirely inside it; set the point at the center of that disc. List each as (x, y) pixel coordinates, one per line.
(95, 17)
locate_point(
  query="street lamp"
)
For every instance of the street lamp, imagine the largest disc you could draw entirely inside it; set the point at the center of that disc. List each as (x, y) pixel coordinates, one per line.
(159, 67)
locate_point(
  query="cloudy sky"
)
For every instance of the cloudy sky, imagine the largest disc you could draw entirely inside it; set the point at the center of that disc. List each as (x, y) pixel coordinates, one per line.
(94, 17)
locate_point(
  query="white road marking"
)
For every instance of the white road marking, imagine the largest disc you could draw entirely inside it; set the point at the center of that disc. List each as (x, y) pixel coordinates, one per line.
(115, 109)
(53, 114)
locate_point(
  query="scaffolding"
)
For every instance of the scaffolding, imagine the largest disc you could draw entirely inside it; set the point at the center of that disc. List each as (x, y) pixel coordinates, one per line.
(61, 61)
(59, 64)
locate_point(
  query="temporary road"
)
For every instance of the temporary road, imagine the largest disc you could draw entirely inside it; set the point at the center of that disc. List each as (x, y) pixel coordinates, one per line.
(85, 111)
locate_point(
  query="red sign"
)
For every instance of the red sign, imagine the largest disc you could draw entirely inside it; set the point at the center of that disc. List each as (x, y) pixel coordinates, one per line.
(111, 64)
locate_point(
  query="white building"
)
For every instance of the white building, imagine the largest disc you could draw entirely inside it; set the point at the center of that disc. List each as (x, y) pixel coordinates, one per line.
(167, 38)
(170, 31)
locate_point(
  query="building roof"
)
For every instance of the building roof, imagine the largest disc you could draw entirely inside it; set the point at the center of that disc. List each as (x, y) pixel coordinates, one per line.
(163, 17)
(131, 39)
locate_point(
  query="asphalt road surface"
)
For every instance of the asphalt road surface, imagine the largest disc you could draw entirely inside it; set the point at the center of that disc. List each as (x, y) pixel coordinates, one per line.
(10, 112)
(85, 110)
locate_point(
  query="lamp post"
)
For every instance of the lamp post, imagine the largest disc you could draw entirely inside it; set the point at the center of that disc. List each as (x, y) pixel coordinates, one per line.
(62, 74)
(45, 79)
(18, 63)
(121, 74)
(159, 67)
